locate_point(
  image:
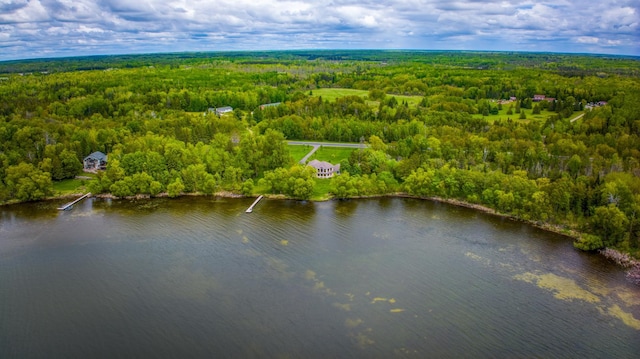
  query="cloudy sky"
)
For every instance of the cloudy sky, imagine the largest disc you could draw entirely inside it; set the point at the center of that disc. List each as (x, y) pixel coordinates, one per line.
(52, 28)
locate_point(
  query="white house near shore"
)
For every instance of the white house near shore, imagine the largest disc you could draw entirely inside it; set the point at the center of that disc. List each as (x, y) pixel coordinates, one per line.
(324, 169)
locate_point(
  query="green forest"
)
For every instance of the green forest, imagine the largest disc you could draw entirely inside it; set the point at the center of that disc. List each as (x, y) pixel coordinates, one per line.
(552, 139)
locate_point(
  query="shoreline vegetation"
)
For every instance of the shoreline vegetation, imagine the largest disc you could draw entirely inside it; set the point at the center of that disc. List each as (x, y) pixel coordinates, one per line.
(548, 139)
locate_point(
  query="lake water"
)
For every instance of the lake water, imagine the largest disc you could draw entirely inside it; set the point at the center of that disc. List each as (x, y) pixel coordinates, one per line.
(375, 278)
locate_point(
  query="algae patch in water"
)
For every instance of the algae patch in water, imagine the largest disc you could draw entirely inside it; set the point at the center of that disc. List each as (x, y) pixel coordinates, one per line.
(568, 289)
(318, 285)
(381, 299)
(628, 297)
(362, 340)
(279, 268)
(478, 258)
(310, 275)
(627, 318)
(352, 323)
(563, 288)
(345, 307)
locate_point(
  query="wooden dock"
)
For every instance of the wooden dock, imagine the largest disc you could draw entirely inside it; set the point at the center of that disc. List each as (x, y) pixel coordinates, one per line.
(250, 209)
(70, 204)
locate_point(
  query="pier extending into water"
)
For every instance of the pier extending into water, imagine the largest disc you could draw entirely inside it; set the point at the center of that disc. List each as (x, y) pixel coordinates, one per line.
(70, 204)
(250, 209)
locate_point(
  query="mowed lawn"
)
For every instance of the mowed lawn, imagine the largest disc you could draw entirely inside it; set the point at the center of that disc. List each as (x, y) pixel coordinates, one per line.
(69, 186)
(502, 115)
(299, 151)
(331, 94)
(332, 155)
(321, 189)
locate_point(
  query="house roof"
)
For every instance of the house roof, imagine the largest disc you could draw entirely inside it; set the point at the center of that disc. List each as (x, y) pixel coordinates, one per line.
(219, 110)
(96, 156)
(321, 164)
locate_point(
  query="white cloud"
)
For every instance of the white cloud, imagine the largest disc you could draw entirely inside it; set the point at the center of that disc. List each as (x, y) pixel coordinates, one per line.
(369, 21)
(56, 26)
(588, 40)
(87, 29)
(32, 11)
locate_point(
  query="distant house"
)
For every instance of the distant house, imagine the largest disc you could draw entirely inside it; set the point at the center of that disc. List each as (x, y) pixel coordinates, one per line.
(221, 110)
(538, 98)
(324, 169)
(592, 105)
(95, 161)
(274, 104)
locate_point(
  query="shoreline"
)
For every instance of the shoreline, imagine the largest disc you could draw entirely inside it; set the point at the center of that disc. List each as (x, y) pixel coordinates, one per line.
(573, 234)
(612, 255)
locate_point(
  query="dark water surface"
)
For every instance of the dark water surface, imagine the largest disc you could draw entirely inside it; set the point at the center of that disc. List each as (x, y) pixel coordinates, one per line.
(379, 278)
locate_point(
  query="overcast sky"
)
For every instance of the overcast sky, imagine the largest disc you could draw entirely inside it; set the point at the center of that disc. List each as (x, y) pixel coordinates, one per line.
(52, 28)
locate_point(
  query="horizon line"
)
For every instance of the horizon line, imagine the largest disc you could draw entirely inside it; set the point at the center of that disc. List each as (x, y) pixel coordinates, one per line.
(65, 57)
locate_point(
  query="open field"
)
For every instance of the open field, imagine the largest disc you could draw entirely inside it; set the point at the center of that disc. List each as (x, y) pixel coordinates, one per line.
(331, 154)
(502, 115)
(69, 186)
(413, 101)
(331, 94)
(321, 189)
(299, 151)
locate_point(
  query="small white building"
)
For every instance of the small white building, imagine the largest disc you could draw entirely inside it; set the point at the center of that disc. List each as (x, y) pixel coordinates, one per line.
(274, 104)
(324, 169)
(221, 110)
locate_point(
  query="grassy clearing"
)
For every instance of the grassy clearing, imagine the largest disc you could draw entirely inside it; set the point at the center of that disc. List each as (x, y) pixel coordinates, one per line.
(321, 189)
(331, 94)
(299, 151)
(502, 115)
(331, 154)
(69, 186)
(259, 189)
(413, 101)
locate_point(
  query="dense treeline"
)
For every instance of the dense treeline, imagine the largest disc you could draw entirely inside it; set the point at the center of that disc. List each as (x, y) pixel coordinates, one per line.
(151, 115)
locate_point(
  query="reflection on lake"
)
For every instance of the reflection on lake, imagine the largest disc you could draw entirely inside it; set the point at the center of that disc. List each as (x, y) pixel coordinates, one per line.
(377, 278)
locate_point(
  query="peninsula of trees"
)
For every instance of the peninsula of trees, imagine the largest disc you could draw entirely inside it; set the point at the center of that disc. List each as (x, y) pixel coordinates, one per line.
(547, 138)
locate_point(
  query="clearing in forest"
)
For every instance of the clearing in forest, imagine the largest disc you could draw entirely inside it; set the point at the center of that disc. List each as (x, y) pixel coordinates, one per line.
(331, 94)
(332, 155)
